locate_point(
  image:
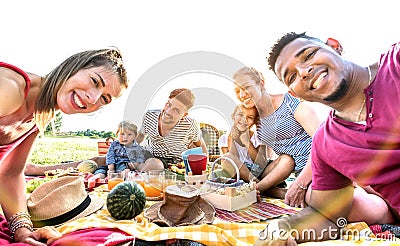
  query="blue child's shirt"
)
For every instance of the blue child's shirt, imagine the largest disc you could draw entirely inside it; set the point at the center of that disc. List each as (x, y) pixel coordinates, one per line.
(121, 155)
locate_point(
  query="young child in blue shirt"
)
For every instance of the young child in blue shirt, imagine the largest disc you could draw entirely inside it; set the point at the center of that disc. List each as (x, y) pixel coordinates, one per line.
(124, 154)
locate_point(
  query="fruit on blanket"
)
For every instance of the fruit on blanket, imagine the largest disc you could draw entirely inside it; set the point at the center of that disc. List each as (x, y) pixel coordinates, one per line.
(126, 200)
(178, 170)
(32, 184)
(181, 165)
(87, 166)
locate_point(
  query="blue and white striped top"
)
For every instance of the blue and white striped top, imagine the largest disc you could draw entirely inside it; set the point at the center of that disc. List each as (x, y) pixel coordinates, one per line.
(284, 134)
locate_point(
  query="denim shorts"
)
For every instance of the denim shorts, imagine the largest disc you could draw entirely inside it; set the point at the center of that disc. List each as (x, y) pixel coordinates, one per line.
(256, 169)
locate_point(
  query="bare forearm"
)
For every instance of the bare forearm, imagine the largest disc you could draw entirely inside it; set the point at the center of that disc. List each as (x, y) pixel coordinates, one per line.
(36, 169)
(201, 144)
(12, 193)
(322, 220)
(296, 194)
(308, 225)
(305, 176)
(253, 152)
(13, 203)
(111, 167)
(316, 225)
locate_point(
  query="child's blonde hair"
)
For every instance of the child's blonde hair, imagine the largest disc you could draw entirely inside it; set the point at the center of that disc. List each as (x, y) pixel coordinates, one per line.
(127, 125)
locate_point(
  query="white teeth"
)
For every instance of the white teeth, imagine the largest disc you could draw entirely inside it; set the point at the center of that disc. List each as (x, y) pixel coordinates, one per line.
(247, 101)
(78, 102)
(319, 79)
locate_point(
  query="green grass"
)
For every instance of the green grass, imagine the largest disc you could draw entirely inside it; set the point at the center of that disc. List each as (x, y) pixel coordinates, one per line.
(55, 150)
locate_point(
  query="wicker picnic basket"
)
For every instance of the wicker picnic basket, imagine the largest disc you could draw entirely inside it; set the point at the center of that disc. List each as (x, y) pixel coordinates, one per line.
(226, 193)
(222, 182)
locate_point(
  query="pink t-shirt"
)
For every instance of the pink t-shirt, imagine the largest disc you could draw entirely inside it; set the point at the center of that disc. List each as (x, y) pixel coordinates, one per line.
(368, 154)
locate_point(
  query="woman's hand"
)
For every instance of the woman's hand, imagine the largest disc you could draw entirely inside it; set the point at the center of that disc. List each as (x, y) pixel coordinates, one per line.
(41, 237)
(295, 196)
(235, 133)
(245, 138)
(241, 137)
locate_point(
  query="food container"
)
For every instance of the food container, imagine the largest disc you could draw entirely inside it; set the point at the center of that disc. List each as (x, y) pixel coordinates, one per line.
(196, 180)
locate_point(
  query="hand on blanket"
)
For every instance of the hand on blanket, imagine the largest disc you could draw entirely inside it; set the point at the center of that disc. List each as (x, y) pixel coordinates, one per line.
(295, 197)
(41, 237)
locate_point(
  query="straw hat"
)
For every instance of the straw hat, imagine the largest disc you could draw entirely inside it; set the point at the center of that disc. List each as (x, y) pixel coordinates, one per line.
(180, 208)
(61, 200)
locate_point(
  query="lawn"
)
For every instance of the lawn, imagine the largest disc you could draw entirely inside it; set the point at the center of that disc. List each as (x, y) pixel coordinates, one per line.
(54, 150)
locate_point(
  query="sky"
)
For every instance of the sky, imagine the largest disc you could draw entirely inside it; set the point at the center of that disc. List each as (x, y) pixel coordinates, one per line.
(157, 38)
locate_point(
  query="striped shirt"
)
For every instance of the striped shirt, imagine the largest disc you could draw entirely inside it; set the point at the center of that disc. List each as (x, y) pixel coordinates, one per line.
(185, 132)
(284, 134)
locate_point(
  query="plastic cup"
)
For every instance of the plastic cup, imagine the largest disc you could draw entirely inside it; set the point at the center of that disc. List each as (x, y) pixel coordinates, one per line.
(138, 177)
(185, 155)
(169, 179)
(198, 163)
(154, 185)
(114, 179)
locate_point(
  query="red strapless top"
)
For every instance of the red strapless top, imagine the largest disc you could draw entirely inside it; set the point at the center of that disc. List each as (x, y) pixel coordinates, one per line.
(6, 149)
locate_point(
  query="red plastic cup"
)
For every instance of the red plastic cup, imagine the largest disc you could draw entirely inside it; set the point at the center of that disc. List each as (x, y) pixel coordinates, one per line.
(198, 163)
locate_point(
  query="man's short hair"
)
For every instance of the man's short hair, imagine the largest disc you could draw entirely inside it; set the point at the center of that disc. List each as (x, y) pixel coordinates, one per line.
(185, 96)
(281, 43)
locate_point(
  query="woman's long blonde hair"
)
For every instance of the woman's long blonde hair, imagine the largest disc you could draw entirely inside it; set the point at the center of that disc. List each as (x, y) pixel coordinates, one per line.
(47, 99)
(249, 71)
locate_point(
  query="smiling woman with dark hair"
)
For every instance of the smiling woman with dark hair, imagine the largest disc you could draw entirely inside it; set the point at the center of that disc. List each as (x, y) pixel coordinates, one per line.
(83, 83)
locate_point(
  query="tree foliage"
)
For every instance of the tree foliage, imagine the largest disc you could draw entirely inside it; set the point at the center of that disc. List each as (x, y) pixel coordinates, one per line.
(92, 134)
(57, 123)
(54, 126)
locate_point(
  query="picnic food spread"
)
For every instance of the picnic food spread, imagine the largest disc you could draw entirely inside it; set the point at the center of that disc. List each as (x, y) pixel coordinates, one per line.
(62, 172)
(219, 232)
(90, 179)
(177, 168)
(32, 184)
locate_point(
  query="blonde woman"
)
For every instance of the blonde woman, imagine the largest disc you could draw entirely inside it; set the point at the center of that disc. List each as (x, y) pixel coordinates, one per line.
(287, 126)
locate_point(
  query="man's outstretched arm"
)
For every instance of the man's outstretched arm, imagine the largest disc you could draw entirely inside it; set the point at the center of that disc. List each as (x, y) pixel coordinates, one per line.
(321, 220)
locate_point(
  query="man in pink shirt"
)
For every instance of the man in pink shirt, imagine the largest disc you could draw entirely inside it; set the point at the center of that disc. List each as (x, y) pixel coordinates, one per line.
(357, 146)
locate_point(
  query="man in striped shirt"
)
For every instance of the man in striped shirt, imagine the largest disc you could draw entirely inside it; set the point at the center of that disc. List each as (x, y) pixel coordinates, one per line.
(170, 131)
